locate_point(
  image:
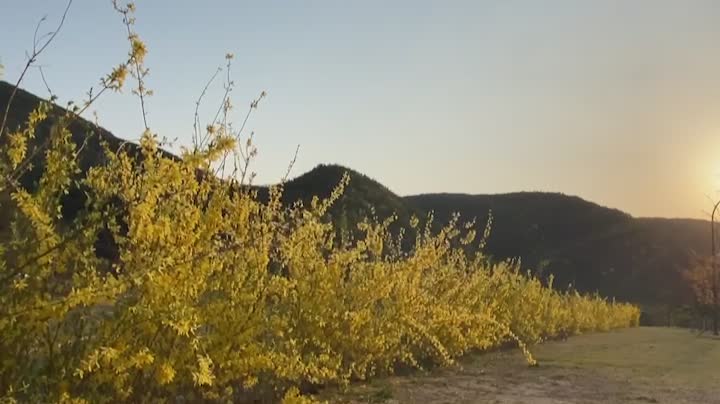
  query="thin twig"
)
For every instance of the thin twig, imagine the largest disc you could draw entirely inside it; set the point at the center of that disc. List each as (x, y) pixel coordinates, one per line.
(196, 123)
(291, 165)
(32, 58)
(26, 163)
(47, 86)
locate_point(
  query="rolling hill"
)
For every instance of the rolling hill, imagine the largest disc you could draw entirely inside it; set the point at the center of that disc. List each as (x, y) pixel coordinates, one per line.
(590, 246)
(363, 197)
(585, 244)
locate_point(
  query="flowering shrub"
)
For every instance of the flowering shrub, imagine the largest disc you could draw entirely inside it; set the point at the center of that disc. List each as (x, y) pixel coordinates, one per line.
(214, 294)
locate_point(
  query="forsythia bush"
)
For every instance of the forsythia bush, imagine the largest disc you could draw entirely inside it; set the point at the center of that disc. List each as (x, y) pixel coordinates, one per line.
(213, 294)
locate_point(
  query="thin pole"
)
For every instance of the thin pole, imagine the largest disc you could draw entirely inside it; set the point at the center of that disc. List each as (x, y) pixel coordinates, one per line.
(714, 270)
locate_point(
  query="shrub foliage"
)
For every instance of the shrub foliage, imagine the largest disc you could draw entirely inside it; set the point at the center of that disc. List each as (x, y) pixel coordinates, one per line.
(212, 293)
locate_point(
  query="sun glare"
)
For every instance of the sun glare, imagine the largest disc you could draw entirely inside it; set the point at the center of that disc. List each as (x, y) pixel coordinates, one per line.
(715, 177)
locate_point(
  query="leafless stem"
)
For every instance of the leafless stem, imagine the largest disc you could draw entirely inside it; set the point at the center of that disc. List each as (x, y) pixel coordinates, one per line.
(196, 123)
(291, 165)
(31, 59)
(47, 86)
(228, 88)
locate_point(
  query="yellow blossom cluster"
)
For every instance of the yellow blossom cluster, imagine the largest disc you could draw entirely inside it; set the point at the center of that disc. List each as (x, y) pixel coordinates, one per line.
(215, 294)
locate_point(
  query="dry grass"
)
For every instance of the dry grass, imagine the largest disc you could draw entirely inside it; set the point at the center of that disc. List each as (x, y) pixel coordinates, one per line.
(640, 365)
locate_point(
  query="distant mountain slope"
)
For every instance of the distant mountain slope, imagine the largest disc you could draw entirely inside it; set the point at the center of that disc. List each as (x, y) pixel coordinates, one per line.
(83, 132)
(87, 136)
(590, 246)
(524, 222)
(362, 198)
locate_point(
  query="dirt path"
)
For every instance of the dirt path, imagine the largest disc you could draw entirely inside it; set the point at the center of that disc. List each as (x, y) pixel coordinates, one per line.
(641, 365)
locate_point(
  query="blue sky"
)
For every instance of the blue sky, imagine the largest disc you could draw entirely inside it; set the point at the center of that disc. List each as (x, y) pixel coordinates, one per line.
(615, 101)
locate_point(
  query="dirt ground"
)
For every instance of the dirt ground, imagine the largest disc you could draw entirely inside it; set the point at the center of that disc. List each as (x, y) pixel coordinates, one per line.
(640, 365)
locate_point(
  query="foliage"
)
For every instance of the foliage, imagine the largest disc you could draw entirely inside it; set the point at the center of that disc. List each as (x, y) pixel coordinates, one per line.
(215, 294)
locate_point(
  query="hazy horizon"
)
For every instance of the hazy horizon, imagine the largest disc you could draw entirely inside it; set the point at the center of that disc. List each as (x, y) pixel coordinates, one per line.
(615, 102)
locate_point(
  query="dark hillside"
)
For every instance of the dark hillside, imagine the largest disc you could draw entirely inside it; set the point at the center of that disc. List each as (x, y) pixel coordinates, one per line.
(584, 244)
(525, 223)
(363, 196)
(83, 131)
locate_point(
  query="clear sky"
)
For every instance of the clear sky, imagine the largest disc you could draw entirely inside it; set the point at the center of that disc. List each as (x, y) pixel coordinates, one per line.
(614, 101)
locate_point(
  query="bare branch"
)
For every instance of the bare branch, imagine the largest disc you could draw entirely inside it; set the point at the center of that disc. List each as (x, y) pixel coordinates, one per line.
(291, 165)
(31, 59)
(196, 123)
(35, 34)
(47, 86)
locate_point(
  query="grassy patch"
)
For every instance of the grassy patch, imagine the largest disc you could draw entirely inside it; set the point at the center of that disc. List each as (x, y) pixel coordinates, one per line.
(639, 365)
(663, 354)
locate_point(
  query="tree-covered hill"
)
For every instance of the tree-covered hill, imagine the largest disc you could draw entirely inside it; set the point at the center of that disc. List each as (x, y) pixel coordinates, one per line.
(585, 244)
(363, 196)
